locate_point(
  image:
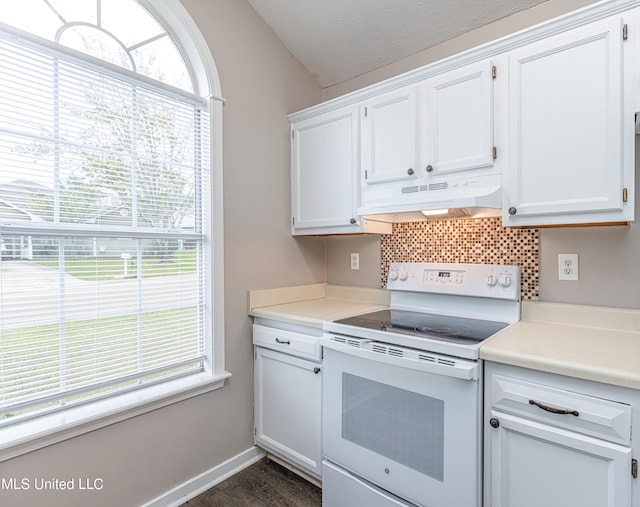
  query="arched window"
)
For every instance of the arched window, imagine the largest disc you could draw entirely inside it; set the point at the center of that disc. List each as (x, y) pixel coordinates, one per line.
(108, 225)
(121, 32)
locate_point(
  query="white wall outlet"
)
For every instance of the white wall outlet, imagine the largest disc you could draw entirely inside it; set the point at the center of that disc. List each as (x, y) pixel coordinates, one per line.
(355, 261)
(568, 266)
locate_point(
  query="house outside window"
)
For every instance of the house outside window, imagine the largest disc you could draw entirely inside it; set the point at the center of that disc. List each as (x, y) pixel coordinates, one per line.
(110, 214)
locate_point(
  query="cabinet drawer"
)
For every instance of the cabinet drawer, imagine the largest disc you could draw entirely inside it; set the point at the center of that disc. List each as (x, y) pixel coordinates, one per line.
(287, 341)
(589, 415)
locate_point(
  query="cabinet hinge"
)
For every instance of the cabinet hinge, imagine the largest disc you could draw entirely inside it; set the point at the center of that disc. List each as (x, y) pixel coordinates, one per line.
(366, 174)
(494, 71)
(634, 468)
(293, 220)
(494, 153)
(624, 195)
(625, 32)
(293, 134)
(366, 112)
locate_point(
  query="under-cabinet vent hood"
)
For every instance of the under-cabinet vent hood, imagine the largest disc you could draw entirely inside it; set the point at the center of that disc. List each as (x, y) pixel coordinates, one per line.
(427, 204)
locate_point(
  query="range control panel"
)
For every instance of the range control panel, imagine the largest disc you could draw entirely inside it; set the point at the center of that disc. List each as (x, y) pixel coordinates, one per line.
(480, 280)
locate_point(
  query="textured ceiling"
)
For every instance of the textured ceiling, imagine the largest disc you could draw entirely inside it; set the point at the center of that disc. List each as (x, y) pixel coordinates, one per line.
(340, 39)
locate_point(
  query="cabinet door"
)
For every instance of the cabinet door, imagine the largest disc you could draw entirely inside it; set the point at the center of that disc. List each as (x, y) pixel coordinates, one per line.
(390, 136)
(287, 408)
(535, 465)
(566, 126)
(325, 165)
(459, 119)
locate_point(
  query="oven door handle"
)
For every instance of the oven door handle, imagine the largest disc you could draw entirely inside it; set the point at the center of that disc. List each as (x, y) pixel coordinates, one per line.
(426, 362)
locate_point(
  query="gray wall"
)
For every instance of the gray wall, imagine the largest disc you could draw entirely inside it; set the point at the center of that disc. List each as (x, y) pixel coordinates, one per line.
(609, 273)
(140, 458)
(339, 251)
(607, 259)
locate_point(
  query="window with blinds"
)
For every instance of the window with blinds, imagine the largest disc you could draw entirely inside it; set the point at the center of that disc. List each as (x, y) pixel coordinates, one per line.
(103, 271)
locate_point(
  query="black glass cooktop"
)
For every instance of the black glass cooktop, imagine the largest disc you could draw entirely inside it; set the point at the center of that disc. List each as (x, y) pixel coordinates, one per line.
(427, 325)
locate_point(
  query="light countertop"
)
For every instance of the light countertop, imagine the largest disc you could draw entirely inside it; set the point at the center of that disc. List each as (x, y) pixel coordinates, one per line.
(592, 343)
(312, 305)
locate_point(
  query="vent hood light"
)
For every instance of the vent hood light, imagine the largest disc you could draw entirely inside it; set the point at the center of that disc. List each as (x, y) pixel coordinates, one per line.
(446, 214)
(435, 212)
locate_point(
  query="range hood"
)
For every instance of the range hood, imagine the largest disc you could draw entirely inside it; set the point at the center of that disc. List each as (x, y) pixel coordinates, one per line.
(465, 202)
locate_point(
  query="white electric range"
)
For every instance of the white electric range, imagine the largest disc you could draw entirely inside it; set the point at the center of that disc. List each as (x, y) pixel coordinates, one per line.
(402, 387)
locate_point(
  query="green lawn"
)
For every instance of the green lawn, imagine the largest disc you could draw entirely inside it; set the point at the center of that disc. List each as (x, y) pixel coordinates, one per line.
(88, 350)
(97, 346)
(107, 268)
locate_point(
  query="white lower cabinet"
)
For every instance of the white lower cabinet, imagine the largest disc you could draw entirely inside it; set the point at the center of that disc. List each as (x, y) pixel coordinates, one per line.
(555, 441)
(288, 401)
(535, 464)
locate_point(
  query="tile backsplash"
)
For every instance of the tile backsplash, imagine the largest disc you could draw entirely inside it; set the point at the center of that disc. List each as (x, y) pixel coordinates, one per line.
(474, 241)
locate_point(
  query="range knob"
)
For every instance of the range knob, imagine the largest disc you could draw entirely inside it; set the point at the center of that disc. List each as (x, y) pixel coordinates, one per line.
(404, 275)
(393, 275)
(504, 281)
(492, 281)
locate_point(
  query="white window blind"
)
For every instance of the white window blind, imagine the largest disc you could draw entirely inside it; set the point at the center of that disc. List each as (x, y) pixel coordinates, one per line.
(102, 231)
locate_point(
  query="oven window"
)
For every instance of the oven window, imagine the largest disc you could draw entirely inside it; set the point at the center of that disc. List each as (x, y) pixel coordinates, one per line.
(401, 425)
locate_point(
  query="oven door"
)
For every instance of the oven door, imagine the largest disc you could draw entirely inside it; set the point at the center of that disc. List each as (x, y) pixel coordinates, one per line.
(408, 425)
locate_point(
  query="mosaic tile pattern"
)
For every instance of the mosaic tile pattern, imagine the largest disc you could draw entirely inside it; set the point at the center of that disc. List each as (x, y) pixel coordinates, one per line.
(477, 241)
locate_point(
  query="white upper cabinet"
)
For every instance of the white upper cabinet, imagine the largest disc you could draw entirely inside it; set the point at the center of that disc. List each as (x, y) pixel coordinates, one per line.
(434, 135)
(570, 128)
(390, 136)
(540, 123)
(325, 174)
(459, 119)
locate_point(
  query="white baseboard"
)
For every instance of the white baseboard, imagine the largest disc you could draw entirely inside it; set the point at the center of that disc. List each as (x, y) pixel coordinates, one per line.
(199, 484)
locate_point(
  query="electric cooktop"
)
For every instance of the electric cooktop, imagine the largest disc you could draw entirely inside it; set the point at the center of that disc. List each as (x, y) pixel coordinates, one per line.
(426, 325)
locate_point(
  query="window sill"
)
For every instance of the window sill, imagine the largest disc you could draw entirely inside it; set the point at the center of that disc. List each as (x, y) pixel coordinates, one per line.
(31, 435)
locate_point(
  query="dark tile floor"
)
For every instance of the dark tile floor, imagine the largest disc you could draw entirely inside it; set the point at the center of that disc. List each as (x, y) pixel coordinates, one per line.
(265, 483)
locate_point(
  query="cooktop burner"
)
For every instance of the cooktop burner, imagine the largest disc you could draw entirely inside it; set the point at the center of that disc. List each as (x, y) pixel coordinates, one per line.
(427, 325)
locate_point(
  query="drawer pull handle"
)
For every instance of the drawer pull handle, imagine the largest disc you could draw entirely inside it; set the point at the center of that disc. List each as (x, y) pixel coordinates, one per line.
(560, 411)
(284, 342)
